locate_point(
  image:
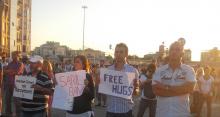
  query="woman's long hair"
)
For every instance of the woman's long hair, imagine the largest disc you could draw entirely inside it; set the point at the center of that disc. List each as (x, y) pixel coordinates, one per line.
(85, 62)
(47, 67)
(199, 72)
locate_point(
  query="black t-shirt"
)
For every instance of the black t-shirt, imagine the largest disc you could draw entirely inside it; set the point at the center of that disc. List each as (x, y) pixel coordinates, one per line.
(83, 103)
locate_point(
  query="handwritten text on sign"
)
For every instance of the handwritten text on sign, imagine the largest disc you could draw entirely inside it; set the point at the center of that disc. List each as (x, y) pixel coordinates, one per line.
(23, 87)
(69, 85)
(116, 83)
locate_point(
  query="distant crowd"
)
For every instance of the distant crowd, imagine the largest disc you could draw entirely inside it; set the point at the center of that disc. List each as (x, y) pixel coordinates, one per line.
(169, 88)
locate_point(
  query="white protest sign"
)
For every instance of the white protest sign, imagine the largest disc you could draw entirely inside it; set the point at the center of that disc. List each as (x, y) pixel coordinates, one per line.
(116, 83)
(69, 85)
(23, 87)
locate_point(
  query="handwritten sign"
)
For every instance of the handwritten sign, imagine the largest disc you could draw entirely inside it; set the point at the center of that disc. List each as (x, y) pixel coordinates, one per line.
(23, 87)
(70, 85)
(116, 83)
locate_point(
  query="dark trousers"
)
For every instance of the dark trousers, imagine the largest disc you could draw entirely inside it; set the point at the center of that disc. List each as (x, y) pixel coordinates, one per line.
(128, 114)
(208, 100)
(34, 114)
(11, 105)
(144, 104)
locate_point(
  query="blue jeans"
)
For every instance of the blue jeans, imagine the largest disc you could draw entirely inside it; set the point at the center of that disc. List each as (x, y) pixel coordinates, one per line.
(34, 114)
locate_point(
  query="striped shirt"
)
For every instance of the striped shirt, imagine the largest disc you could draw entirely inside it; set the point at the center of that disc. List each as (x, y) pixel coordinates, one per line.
(117, 104)
(40, 100)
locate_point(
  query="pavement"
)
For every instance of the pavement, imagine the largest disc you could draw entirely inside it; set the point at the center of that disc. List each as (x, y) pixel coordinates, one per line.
(100, 111)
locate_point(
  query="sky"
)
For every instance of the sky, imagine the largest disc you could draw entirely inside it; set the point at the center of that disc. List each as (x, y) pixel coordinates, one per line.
(142, 24)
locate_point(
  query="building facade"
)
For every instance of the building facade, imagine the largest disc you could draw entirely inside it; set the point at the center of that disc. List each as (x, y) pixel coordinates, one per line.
(94, 56)
(212, 55)
(54, 50)
(15, 26)
(51, 49)
(4, 26)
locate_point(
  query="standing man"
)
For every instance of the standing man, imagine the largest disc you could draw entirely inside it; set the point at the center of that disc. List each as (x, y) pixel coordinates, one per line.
(42, 89)
(14, 68)
(99, 95)
(172, 83)
(116, 106)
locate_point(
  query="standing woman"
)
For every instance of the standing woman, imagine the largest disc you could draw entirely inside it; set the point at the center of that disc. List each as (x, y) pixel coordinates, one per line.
(196, 93)
(206, 86)
(48, 69)
(82, 105)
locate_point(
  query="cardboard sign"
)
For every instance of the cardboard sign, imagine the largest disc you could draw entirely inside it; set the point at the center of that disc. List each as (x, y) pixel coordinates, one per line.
(116, 83)
(70, 85)
(23, 87)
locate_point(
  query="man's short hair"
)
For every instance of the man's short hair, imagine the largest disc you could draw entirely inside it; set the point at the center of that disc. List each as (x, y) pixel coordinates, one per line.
(122, 45)
(177, 43)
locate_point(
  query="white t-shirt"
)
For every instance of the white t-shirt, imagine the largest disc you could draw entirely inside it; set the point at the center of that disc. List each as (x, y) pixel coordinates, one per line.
(176, 106)
(206, 85)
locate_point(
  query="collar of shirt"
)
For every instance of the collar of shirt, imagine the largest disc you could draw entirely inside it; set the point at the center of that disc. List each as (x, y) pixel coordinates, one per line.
(124, 67)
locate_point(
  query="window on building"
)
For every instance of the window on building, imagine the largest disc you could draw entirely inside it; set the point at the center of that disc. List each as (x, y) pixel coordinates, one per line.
(25, 37)
(24, 48)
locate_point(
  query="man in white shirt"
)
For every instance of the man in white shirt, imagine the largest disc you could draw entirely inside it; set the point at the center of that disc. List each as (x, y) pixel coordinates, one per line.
(172, 83)
(206, 86)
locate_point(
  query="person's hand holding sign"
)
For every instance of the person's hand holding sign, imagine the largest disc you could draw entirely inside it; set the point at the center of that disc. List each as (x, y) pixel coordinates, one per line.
(45, 91)
(37, 87)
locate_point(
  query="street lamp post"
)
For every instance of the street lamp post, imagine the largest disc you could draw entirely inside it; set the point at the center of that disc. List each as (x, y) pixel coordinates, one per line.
(84, 21)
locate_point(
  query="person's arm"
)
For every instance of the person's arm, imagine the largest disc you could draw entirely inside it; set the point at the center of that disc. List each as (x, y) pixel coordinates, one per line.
(46, 88)
(213, 88)
(43, 90)
(18, 71)
(199, 84)
(168, 91)
(136, 84)
(89, 90)
(1, 75)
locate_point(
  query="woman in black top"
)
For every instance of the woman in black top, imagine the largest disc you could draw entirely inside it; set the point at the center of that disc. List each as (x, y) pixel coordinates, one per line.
(82, 104)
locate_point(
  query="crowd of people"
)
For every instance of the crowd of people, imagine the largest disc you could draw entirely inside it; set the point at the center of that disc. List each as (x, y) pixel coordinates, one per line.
(165, 88)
